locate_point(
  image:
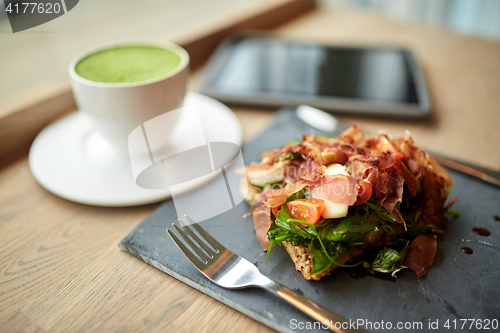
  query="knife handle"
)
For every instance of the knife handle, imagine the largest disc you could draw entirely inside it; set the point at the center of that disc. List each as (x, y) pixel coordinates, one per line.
(326, 317)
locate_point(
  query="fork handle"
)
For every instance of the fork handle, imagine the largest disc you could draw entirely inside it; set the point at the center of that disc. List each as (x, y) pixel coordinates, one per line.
(316, 311)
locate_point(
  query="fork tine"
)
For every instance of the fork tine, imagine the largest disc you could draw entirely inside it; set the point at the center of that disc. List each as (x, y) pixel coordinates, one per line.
(187, 252)
(210, 240)
(197, 239)
(190, 243)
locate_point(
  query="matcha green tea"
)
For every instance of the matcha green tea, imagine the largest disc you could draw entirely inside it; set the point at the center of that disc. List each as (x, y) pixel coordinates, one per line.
(126, 64)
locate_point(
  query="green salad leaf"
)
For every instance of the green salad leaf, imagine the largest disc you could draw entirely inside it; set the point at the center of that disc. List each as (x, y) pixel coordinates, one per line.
(349, 230)
(277, 234)
(388, 258)
(285, 221)
(380, 214)
(326, 254)
(379, 211)
(302, 194)
(269, 249)
(322, 259)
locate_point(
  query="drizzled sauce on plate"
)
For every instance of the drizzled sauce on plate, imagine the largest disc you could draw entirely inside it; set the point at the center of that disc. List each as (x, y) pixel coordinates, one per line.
(467, 250)
(481, 231)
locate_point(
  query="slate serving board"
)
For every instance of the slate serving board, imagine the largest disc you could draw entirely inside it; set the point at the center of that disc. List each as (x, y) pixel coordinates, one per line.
(457, 286)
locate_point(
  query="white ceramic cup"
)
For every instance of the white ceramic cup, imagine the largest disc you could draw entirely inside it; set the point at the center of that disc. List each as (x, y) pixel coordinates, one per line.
(115, 109)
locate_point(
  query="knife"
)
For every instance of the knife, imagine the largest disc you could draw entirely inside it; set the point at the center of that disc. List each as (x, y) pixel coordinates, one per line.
(325, 122)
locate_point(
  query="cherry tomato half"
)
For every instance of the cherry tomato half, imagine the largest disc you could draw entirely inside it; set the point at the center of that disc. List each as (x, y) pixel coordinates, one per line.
(275, 210)
(307, 210)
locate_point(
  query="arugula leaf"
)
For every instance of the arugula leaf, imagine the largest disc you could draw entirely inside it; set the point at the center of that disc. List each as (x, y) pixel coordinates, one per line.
(277, 235)
(280, 234)
(349, 230)
(453, 212)
(320, 260)
(388, 258)
(302, 194)
(269, 249)
(285, 221)
(379, 211)
(327, 254)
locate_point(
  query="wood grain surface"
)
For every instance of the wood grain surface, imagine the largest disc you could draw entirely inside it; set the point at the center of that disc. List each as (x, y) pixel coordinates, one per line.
(62, 271)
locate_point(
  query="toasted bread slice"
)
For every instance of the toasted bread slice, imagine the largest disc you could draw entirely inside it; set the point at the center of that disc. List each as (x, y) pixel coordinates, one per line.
(302, 258)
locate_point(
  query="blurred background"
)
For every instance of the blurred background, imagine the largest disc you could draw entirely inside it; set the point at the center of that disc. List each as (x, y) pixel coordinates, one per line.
(477, 17)
(31, 57)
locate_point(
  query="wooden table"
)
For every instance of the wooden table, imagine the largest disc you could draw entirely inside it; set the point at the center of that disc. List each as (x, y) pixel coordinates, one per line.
(60, 266)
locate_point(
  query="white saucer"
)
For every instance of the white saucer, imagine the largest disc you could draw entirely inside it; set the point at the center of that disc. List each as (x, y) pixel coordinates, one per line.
(61, 161)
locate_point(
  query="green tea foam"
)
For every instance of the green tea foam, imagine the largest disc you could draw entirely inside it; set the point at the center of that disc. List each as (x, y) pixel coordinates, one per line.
(128, 64)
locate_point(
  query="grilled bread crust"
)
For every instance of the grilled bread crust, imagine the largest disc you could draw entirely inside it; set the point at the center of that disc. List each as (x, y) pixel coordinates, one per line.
(302, 258)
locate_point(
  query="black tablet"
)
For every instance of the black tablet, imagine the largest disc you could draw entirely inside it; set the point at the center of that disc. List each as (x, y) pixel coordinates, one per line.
(268, 71)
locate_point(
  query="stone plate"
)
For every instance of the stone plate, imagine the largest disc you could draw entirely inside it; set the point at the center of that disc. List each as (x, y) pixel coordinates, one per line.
(457, 286)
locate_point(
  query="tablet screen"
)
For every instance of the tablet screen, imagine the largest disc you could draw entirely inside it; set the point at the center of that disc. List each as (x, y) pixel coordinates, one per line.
(273, 66)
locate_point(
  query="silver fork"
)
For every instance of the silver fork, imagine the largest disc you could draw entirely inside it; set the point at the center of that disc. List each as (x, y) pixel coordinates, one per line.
(231, 271)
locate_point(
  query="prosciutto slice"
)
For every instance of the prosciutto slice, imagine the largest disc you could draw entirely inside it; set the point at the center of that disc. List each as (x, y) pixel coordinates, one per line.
(354, 135)
(339, 189)
(276, 198)
(410, 180)
(384, 183)
(303, 170)
(414, 156)
(261, 224)
(390, 206)
(383, 171)
(420, 254)
(311, 171)
(437, 185)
